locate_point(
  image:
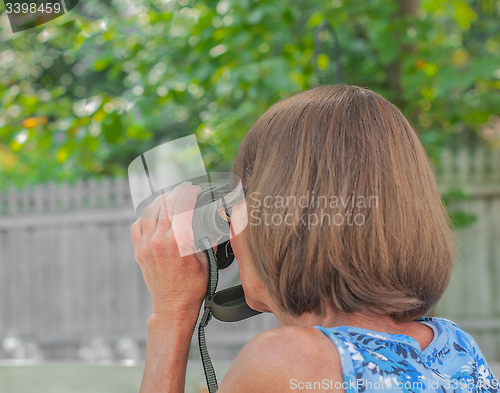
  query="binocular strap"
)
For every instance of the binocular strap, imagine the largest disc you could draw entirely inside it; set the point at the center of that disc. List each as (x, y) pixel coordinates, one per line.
(213, 279)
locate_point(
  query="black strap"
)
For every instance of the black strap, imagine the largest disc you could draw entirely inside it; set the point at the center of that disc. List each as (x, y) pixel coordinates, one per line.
(213, 279)
(229, 305)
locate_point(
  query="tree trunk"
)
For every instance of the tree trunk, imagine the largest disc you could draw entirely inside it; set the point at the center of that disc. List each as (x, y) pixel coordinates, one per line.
(406, 7)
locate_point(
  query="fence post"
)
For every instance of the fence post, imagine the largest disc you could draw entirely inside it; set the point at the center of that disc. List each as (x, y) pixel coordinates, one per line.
(51, 195)
(2, 203)
(39, 199)
(78, 194)
(93, 193)
(463, 164)
(64, 197)
(106, 192)
(13, 201)
(495, 165)
(479, 173)
(447, 167)
(120, 188)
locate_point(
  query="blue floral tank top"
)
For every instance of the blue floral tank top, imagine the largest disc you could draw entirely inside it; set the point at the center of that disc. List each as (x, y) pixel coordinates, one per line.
(373, 361)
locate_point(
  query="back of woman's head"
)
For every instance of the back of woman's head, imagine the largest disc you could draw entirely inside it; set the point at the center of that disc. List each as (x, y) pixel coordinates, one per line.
(343, 206)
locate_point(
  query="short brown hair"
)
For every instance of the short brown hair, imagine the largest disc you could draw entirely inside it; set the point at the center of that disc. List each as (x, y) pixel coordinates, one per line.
(344, 141)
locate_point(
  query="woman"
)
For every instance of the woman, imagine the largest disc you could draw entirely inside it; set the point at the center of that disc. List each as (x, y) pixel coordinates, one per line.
(345, 240)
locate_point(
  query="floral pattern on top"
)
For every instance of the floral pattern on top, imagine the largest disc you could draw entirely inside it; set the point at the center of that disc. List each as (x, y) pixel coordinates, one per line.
(375, 361)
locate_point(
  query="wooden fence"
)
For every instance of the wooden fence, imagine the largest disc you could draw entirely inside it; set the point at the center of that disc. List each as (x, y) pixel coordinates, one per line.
(67, 264)
(466, 167)
(472, 298)
(68, 273)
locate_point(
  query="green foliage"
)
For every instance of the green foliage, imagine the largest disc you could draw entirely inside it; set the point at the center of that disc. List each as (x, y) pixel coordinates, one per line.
(86, 93)
(459, 219)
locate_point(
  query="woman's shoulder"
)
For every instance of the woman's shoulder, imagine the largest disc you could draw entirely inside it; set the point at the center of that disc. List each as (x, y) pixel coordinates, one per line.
(460, 339)
(284, 358)
(451, 330)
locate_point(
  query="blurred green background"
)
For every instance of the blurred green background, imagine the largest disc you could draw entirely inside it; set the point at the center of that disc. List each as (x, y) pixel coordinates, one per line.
(83, 95)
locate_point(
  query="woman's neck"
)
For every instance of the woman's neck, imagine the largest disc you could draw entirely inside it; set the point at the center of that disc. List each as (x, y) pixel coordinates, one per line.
(331, 318)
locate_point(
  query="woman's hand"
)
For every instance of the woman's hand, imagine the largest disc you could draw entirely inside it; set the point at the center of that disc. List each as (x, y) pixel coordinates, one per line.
(177, 283)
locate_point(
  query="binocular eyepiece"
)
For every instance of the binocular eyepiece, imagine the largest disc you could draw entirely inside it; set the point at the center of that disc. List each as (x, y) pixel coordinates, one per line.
(211, 219)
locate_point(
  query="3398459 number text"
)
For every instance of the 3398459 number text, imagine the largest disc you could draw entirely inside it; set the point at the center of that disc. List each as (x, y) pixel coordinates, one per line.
(31, 8)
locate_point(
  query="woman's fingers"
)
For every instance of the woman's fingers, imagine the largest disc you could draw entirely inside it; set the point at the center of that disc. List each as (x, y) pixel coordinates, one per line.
(169, 214)
(182, 219)
(150, 216)
(167, 211)
(136, 230)
(159, 212)
(161, 242)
